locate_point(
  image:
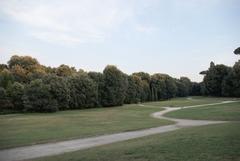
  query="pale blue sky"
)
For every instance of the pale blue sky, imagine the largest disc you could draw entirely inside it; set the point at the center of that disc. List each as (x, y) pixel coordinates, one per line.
(178, 37)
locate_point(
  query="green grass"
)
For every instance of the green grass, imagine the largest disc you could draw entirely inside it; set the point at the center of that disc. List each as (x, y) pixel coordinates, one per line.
(25, 129)
(228, 112)
(176, 102)
(207, 143)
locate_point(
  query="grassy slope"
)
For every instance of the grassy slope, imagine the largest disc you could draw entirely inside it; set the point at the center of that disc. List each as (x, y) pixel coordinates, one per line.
(228, 112)
(207, 143)
(188, 102)
(25, 129)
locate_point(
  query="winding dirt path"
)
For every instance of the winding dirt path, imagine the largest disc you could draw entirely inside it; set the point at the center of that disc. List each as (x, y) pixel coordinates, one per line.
(40, 150)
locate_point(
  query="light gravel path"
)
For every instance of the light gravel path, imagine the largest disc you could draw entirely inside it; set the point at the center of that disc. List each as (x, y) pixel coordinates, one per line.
(40, 150)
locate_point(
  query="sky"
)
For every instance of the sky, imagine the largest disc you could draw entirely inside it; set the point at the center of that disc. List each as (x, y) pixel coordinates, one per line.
(177, 37)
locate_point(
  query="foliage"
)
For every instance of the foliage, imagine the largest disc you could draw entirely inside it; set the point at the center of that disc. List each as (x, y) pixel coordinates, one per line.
(37, 97)
(4, 101)
(196, 89)
(59, 89)
(98, 79)
(30, 86)
(134, 90)
(64, 70)
(3, 66)
(231, 83)
(162, 87)
(25, 68)
(15, 92)
(6, 78)
(114, 87)
(181, 89)
(213, 80)
(83, 92)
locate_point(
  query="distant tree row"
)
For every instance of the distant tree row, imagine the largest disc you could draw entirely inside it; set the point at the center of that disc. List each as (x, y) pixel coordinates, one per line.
(26, 85)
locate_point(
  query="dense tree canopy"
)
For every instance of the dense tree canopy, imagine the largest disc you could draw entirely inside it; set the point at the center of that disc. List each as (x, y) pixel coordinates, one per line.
(231, 83)
(6, 78)
(15, 93)
(37, 97)
(99, 81)
(214, 78)
(64, 70)
(26, 85)
(134, 90)
(115, 86)
(83, 92)
(221, 80)
(3, 66)
(5, 103)
(59, 89)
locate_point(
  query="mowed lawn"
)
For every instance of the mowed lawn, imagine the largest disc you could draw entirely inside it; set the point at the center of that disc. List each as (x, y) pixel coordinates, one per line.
(206, 143)
(189, 101)
(225, 112)
(219, 142)
(26, 129)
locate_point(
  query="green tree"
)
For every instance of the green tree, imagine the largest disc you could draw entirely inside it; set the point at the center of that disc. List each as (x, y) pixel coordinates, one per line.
(187, 84)
(146, 93)
(115, 86)
(25, 62)
(146, 78)
(25, 68)
(37, 97)
(214, 78)
(134, 90)
(83, 92)
(182, 90)
(158, 87)
(228, 84)
(171, 87)
(6, 78)
(59, 89)
(99, 81)
(15, 92)
(163, 87)
(196, 89)
(19, 74)
(3, 66)
(236, 79)
(65, 70)
(5, 103)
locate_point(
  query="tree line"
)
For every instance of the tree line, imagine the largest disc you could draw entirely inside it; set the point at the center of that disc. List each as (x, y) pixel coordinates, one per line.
(28, 86)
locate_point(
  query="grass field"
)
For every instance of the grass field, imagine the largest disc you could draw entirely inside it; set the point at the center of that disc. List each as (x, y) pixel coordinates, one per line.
(26, 129)
(190, 101)
(207, 143)
(228, 112)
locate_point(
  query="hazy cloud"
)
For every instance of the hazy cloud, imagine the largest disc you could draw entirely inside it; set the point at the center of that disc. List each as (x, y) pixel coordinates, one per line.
(73, 21)
(146, 28)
